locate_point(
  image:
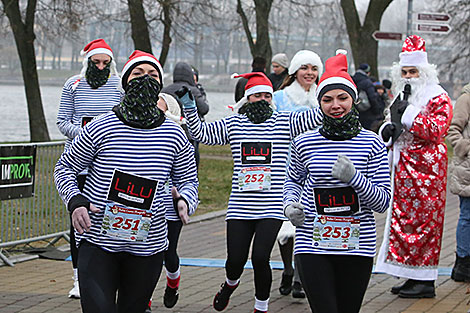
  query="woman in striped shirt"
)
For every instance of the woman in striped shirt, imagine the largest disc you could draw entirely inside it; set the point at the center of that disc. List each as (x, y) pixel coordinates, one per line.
(93, 92)
(120, 214)
(259, 138)
(338, 175)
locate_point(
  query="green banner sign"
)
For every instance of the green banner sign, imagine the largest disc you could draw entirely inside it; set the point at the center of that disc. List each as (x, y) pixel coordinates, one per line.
(17, 164)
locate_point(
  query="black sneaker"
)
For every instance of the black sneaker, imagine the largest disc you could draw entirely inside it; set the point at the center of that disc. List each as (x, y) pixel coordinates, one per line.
(286, 284)
(222, 297)
(170, 297)
(461, 269)
(297, 291)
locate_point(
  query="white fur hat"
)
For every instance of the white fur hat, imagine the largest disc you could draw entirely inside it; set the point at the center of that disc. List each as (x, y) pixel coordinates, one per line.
(174, 110)
(303, 57)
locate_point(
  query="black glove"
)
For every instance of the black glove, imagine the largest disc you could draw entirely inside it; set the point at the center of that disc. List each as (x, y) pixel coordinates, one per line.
(388, 131)
(397, 109)
(182, 91)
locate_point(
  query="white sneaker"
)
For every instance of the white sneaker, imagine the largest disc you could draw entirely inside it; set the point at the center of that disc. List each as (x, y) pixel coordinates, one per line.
(75, 291)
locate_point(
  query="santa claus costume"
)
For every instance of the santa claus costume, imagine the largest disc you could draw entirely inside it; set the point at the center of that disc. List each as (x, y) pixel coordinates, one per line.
(413, 232)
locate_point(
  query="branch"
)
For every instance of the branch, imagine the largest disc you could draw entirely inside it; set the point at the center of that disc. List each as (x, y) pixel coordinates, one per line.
(246, 27)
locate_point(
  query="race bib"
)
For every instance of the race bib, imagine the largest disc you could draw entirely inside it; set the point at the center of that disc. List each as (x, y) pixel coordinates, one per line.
(336, 232)
(254, 178)
(255, 152)
(86, 120)
(128, 209)
(340, 201)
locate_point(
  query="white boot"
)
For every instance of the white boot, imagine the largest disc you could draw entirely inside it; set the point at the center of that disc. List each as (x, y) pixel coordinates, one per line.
(75, 291)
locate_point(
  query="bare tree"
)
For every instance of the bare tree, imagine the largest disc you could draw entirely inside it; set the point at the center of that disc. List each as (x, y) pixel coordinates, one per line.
(139, 26)
(262, 45)
(364, 47)
(24, 38)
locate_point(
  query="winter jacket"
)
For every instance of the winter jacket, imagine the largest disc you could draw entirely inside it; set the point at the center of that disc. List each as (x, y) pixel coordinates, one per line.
(377, 105)
(183, 76)
(459, 138)
(277, 80)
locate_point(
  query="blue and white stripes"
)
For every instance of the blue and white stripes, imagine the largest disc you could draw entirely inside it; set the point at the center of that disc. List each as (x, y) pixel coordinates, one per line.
(312, 158)
(84, 102)
(106, 144)
(278, 131)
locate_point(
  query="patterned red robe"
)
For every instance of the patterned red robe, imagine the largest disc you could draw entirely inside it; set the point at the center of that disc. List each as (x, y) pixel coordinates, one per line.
(412, 241)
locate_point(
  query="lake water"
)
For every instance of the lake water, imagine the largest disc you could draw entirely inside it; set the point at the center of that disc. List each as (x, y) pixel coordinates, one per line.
(14, 111)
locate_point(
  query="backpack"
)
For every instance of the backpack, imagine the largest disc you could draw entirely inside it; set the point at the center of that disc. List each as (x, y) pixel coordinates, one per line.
(362, 103)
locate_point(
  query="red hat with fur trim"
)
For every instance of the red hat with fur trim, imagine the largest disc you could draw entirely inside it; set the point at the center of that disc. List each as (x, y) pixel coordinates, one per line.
(138, 57)
(257, 82)
(97, 46)
(414, 52)
(336, 76)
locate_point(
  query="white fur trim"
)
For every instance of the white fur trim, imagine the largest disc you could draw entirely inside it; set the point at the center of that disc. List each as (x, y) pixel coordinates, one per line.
(409, 116)
(99, 50)
(389, 142)
(336, 80)
(341, 51)
(298, 95)
(143, 59)
(415, 58)
(234, 75)
(257, 89)
(287, 231)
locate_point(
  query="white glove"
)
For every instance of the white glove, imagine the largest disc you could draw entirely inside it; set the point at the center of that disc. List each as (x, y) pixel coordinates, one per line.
(343, 169)
(295, 213)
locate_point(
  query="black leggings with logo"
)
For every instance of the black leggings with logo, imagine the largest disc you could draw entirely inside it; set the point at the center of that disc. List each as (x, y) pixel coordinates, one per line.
(240, 233)
(334, 283)
(103, 274)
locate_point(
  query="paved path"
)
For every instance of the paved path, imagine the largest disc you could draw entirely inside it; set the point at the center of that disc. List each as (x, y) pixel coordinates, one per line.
(42, 285)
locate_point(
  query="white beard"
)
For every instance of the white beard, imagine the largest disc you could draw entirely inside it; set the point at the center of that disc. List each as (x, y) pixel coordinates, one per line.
(417, 90)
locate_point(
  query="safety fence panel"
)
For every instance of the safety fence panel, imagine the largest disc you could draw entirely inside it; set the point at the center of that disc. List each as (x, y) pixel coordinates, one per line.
(41, 216)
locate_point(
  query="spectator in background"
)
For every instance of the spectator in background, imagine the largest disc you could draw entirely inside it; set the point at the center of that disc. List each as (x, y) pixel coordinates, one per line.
(93, 92)
(280, 63)
(183, 75)
(371, 106)
(258, 65)
(198, 85)
(459, 183)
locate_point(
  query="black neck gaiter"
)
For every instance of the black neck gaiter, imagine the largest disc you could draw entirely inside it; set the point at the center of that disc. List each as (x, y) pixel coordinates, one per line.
(257, 112)
(139, 106)
(96, 77)
(342, 128)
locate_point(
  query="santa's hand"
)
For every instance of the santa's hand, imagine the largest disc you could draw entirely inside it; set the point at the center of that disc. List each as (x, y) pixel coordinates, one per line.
(388, 131)
(180, 205)
(81, 219)
(295, 213)
(343, 169)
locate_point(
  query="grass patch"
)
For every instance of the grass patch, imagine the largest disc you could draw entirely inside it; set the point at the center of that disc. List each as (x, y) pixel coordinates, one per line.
(215, 178)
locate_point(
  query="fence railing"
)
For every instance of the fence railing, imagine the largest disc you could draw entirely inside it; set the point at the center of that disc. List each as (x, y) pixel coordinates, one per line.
(40, 217)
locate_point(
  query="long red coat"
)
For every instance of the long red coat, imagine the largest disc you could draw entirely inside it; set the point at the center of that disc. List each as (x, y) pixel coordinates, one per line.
(417, 217)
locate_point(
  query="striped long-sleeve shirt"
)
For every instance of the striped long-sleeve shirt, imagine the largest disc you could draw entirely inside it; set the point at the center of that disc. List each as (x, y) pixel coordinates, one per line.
(312, 159)
(261, 149)
(84, 102)
(107, 144)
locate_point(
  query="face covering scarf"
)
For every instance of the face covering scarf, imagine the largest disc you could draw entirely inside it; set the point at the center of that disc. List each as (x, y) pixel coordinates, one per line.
(257, 112)
(139, 105)
(342, 128)
(96, 77)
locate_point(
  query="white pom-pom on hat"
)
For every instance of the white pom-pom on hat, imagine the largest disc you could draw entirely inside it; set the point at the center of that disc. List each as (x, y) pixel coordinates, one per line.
(341, 51)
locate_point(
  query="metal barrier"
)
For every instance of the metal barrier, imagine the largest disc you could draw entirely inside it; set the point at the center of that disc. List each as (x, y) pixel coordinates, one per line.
(41, 217)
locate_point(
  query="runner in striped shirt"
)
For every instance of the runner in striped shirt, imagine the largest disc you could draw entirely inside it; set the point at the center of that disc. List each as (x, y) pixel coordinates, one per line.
(337, 177)
(259, 138)
(93, 92)
(120, 215)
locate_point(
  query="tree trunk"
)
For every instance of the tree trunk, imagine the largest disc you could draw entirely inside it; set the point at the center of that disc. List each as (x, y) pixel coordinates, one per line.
(261, 47)
(364, 46)
(24, 38)
(139, 26)
(167, 21)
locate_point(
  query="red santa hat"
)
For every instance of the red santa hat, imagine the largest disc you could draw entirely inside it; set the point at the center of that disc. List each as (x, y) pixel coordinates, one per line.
(336, 76)
(413, 52)
(257, 82)
(96, 46)
(138, 57)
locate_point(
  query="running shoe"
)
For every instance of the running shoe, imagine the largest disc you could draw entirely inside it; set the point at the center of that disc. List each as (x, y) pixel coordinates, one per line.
(222, 297)
(170, 297)
(75, 291)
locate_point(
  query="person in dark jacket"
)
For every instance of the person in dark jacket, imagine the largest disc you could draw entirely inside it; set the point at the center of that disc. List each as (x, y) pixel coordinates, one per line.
(280, 63)
(258, 65)
(198, 85)
(183, 75)
(371, 117)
